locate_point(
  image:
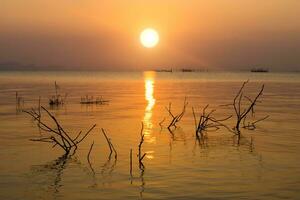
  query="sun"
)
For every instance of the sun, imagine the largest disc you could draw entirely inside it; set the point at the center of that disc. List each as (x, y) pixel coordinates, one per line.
(149, 38)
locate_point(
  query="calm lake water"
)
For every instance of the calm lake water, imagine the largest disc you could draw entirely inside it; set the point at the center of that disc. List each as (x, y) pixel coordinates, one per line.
(176, 166)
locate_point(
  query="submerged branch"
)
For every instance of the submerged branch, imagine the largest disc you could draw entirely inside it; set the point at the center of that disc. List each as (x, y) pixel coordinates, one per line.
(110, 145)
(176, 118)
(57, 135)
(140, 156)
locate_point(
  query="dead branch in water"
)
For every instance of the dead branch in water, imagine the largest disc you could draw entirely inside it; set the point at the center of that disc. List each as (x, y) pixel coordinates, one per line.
(130, 156)
(89, 153)
(251, 125)
(88, 157)
(57, 99)
(176, 118)
(140, 156)
(110, 145)
(57, 136)
(161, 122)
(207, 122)
(242, 115)
(39, 110)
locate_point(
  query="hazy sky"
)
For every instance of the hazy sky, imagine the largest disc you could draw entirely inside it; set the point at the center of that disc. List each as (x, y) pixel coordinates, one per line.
(98, 34)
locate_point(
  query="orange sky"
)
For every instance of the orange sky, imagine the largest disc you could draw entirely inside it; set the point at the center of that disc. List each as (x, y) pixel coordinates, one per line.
(94, 34)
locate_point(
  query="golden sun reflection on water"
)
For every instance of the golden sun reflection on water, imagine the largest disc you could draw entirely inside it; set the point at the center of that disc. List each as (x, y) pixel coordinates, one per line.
(149, 78)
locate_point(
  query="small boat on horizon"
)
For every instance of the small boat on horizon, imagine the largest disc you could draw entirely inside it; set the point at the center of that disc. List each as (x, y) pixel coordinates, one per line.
(187, 70)
(259, 70)
(164, 70)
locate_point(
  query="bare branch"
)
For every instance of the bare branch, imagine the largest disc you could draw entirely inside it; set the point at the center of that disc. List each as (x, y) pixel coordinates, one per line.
(86, 134)
(242, 116)
(207, 123)
(140, 156)
(88, 157)
(130, 156)
(110, 145)
(178, 117)
(58, 136)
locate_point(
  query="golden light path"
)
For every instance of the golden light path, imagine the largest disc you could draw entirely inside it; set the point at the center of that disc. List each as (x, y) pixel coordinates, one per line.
(149, 97)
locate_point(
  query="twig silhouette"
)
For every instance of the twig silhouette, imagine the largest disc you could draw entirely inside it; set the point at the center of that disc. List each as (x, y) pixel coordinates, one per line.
(140, 155)
(237, 104)
(207, 122)
(110, 145)
(176, 118)
(88, 157)
(57, 136)
(130, 161)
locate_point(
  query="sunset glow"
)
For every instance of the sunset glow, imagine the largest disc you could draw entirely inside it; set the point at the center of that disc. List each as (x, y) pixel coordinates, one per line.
(117, 99)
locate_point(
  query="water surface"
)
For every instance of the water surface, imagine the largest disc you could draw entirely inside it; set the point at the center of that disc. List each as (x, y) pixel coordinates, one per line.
(176, 165)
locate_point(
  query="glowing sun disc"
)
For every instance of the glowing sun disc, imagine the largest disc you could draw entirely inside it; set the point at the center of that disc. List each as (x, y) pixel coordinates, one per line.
(149, 38)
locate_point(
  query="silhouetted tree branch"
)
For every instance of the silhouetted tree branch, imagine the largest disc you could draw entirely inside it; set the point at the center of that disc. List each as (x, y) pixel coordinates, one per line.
(176, 118)
(56, 135)
(140, 154)
(110, 145)
(207, 122)
(241, 115)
